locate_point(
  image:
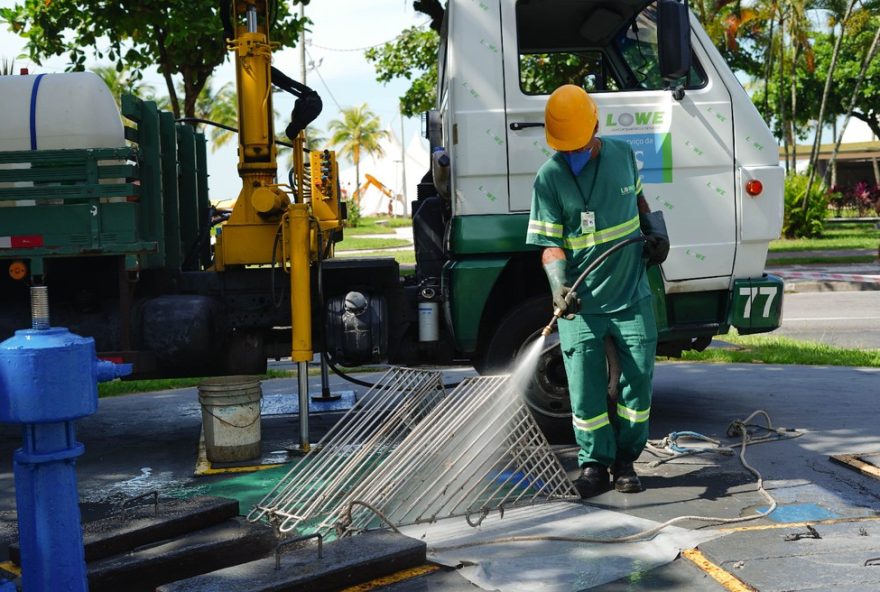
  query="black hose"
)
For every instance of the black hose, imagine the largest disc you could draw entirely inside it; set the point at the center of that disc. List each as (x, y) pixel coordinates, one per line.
(572, 294)
(354, 380)
(226, 127)
(600, 258)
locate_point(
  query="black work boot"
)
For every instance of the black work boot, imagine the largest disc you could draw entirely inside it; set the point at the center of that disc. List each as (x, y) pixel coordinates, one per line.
(625, 478)
(593, 480)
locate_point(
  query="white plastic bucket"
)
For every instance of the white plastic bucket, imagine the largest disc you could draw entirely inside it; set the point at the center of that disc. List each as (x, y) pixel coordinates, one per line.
(231, 417)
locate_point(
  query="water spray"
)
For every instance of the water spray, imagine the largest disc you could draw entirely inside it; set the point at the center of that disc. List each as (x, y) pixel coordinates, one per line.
(571, 298)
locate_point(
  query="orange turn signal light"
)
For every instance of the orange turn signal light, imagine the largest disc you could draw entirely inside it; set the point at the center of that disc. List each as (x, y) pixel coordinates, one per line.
(754, 187)
(17, 270)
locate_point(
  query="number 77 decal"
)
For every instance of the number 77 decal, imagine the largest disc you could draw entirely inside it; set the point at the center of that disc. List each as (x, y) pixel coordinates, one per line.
(754, 292)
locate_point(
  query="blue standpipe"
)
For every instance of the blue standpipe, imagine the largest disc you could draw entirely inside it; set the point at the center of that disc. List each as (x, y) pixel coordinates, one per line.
(49, 379)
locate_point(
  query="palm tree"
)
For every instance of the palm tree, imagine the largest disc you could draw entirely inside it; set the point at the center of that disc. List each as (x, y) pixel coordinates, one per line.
(814, 151)
(7, 66)
(120, 83)
(358, 132)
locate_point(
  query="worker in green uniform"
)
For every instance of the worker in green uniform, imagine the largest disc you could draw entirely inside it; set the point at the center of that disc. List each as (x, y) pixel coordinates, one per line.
(587, 198)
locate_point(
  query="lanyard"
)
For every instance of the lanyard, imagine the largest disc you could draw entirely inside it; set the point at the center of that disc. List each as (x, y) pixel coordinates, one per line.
(592, 185)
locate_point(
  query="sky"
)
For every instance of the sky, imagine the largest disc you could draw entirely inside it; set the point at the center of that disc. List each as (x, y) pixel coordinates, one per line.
(336, 66)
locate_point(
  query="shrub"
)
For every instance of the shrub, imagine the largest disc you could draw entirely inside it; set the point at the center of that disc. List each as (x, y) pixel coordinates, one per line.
(354, 214)
(865, 198)
(800, 221)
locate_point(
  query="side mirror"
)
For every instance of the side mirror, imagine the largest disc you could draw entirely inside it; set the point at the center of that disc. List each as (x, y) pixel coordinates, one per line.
(433, 131)
(673, 38)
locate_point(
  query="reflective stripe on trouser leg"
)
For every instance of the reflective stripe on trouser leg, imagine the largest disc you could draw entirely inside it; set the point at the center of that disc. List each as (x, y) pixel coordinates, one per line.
(583, 352)
(635, 336)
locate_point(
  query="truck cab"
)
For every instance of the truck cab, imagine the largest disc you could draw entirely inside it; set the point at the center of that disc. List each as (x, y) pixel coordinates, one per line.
(707, 160)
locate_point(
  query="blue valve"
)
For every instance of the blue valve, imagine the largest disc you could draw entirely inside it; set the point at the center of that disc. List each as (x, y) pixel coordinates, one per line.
(48, 379)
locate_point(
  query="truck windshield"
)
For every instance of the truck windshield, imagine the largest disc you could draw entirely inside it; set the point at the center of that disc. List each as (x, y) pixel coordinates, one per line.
(590, 56)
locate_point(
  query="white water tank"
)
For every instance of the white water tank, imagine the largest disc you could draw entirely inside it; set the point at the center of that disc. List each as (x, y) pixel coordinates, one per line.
(54, 111)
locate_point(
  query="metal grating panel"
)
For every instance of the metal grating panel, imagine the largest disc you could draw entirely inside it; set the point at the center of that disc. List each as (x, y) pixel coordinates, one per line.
(467, 453)
(351, 449)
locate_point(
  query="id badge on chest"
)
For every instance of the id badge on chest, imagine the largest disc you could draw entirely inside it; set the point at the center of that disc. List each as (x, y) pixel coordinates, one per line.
(588, 222)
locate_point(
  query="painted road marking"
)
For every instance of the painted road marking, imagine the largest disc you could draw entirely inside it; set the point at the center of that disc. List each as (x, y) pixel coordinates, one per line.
(858, 278)
(779, 525)
(401, 576)
(204, 466)
(729, 581)
(10, 568)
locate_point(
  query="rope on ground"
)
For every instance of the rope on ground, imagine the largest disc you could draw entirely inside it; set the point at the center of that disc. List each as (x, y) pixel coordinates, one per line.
(736, 428)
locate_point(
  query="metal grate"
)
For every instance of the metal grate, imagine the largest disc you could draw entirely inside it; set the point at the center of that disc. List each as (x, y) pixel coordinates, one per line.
(319, 483)
(472, 451)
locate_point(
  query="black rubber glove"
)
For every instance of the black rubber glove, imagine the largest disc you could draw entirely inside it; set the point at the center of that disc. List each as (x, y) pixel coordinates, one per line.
(657, 238)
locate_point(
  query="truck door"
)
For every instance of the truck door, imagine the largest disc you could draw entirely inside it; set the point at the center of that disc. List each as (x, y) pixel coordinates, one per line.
(684, 147)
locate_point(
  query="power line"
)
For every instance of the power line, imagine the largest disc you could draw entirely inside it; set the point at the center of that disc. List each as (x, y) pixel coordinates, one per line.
(366, 47)
(321, 78)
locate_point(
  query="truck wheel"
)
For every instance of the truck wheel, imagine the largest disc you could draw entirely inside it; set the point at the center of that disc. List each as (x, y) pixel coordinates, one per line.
(245, 353)
(546, 393)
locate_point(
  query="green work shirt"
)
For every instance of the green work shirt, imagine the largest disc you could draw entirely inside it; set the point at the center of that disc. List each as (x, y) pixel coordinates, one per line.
(608, 187)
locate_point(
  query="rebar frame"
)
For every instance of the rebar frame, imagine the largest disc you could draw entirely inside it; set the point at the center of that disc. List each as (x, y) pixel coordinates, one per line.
(469, 452)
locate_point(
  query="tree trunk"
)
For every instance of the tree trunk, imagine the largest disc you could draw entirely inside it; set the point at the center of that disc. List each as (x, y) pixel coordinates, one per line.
(869, 57)
(783, 122)
(814, 152)
(165, 66)
(794, 140)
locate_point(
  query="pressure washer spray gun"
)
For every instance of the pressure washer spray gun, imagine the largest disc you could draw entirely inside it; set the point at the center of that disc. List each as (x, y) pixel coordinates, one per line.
(571, 297)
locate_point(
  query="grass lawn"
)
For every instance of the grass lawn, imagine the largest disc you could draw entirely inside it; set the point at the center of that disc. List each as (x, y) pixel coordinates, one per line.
(407, 257)
(364, 242)
(849, 235)
(771, 349)
(127, 387)
(378, 225)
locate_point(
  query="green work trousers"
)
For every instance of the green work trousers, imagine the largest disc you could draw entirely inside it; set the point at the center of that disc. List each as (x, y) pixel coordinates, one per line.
(622, 436)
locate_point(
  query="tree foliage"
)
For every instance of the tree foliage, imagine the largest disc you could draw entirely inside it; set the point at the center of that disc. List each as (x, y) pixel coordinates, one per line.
(413, 56)
(180, 37)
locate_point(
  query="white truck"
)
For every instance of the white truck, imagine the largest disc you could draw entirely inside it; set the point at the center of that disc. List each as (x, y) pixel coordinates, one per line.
(707, 160)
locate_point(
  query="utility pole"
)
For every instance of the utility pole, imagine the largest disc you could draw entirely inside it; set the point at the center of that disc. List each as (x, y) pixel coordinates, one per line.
(403, 164)
(302, 45)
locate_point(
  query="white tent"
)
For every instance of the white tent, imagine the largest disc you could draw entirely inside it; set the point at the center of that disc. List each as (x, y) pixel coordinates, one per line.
(390, 170)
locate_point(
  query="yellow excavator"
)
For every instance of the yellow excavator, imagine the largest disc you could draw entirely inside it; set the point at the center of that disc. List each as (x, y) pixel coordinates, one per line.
(371, 180)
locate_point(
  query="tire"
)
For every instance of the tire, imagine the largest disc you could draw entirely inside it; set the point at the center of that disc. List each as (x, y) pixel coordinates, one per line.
(546, 393)
(245, 354)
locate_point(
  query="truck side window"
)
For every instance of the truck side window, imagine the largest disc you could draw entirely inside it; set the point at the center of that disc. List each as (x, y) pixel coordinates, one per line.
(601, 46)
(542, 73)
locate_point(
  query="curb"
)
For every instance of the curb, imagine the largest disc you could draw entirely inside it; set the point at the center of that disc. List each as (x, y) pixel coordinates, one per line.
(803, 286)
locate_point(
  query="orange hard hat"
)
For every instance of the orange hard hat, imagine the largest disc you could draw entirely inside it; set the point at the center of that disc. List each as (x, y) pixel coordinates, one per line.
(570, 118)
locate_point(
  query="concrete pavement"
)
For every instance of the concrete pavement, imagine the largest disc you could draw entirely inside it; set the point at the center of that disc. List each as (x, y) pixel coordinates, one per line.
(138, 443)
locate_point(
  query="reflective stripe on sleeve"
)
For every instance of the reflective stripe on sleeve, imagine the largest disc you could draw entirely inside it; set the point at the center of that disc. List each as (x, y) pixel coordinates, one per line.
(590, 425)
(638, 185)
(603, 236)
(545, 228)
(632, 415)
